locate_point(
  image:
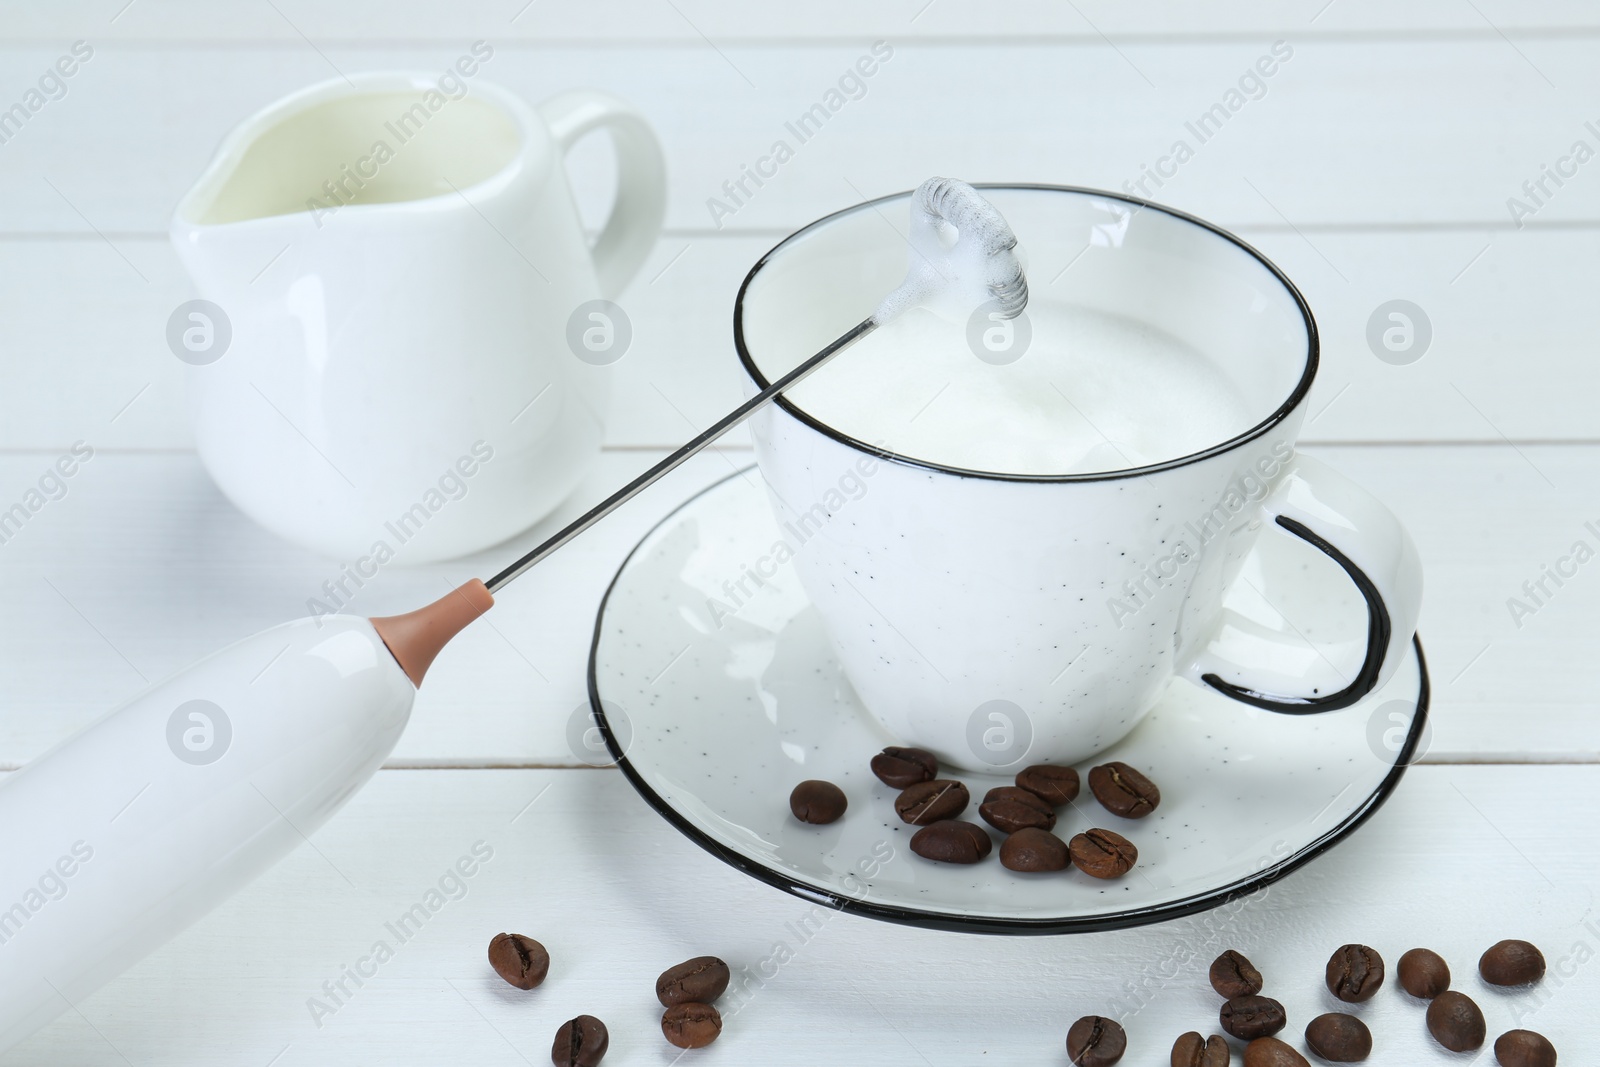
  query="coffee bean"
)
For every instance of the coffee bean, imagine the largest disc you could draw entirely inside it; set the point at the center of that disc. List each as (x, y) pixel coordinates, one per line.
(1055, 785)
(900, 767)
(1423, 973)
(1102, 854)
(1009, 809)
(1511, 963)
(1339, 1037)
(1032, 801)
(1032, 850)
(700, 980)
(522, 961)
(1251, 1017)
(952, 841)
(691, 1025)
(580, 1042)
(1094, 1041)
(1524, 1048)
(1234, 976)
(930, 802)
(1354, 973)
(1123, 790)
(1192, 1050)
(817, 802)
(1270, 1052)
(1455, 1022)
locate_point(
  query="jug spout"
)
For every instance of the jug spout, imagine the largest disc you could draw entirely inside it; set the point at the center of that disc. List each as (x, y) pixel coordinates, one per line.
(225, 229)
(374, 155)
(228, 258)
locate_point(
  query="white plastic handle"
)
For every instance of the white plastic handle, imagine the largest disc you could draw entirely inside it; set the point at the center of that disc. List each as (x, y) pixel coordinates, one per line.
(135, 827)
(1333, 514)
(635, 223)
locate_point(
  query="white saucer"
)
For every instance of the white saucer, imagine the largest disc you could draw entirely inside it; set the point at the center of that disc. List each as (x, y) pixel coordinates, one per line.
(714, 725)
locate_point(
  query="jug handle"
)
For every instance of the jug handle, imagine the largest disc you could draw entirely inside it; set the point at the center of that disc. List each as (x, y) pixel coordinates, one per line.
(641, 205)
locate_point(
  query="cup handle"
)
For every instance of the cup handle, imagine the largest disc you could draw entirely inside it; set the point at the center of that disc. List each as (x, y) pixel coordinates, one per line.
(630, 233)
(1337, 517)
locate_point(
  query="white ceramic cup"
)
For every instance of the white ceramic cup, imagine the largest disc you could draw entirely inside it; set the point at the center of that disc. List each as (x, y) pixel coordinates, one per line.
(394, 266)
(1000, 620)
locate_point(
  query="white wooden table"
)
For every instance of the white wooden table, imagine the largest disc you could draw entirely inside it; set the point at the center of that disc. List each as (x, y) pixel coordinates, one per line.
(1376, 164)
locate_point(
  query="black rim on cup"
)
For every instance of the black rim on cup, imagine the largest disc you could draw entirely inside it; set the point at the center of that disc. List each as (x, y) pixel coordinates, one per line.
(942, 920)
(1301, 390)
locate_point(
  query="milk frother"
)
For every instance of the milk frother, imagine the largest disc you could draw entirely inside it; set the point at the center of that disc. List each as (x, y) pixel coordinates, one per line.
(126, 833)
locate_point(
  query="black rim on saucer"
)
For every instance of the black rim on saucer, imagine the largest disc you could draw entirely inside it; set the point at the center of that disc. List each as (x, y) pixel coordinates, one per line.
(942, 920)
(1296, 396)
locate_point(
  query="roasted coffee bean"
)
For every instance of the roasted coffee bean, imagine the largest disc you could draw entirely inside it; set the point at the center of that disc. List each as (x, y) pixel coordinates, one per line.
(1251, 1017)
(817, 802)
(1096, 1042)
(1512, 963)
(1009, 809)
(700, 981)
(1102, 854)
(1524, 1048)
(1354, 973)
(1423, 973)
(580, 1042)
(691, 1025)
(952, 841)
(1192, 1050)
(1270, 1052)
(522, 961)
(1055, 785)
(1032, 801)
(1455, 1022)
(930, 802)
(1339, 1037)
(1033, 850)
(1123, 790)
(1234, 976)
(900, 767)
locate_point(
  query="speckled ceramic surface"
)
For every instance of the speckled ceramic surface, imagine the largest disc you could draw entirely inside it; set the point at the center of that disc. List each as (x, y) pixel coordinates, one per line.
(716, 705)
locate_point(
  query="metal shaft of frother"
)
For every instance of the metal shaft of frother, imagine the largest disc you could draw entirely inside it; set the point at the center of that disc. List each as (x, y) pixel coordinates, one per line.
(695, 445)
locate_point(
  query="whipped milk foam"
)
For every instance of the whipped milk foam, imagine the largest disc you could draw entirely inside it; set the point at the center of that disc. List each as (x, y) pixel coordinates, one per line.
(1091, 393)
